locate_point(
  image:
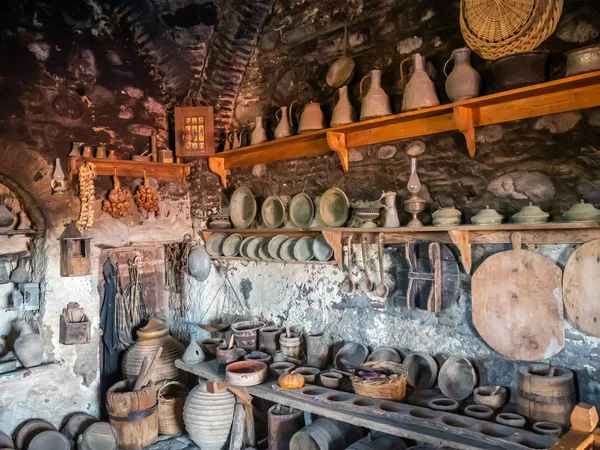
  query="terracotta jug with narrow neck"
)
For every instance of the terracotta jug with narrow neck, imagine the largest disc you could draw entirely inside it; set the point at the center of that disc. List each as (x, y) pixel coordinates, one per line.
(376, 103)
(343, 112)
(419, 92)
(284, 127)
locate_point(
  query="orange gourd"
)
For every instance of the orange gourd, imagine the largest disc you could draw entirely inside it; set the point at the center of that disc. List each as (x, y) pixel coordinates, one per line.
(291, 381)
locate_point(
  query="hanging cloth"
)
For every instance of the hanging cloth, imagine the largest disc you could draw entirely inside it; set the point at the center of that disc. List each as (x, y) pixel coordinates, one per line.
(108, 325)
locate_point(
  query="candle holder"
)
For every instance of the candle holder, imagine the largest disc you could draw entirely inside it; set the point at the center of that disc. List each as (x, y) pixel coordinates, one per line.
(414, 204)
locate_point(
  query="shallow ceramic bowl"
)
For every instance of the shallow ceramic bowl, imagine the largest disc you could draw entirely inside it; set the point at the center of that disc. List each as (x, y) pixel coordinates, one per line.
(301, 211)
(244, 246)
(334, 208)
(340, 72)
(321, 249)
(272, 212)
(242, 208)
(286, 251)
(263, 251)
(275, 245)
(309, 373)
(281, 368)
(253, 247)
(214, 244)
(246, 373)
(231, 245)
(303, 249)
(483, 396)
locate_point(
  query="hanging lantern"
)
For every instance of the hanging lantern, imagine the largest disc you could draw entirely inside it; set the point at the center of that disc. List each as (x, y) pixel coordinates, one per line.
(74, 253)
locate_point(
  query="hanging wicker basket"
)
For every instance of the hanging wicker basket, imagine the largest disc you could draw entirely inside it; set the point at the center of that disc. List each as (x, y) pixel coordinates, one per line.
(171, 399)
(390, 388)
(498, 28)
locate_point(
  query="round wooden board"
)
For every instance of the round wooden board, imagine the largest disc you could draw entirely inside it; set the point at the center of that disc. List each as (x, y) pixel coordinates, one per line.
(517, 305)
(581, 288)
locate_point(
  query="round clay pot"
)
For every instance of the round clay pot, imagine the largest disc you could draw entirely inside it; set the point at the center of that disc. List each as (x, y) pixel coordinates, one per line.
(547, 428)
(483, 396)
(309, 374)
(479, 412)
(443, 404)
(511, 420)
(331, 380)
(210, 345)
(280, 368)
(29, 346)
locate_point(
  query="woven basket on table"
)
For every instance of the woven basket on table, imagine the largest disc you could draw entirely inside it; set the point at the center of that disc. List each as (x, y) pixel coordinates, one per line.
(498, 28)
(171, 399)
(385, 388)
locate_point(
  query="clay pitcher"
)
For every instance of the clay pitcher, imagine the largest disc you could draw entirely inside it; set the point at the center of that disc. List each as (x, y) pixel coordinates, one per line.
(463, 82)
(376, 103)
(284, 127)
(259, 134)
(29, 346)
(343, 112)
(238, 139)
(419, 92)
(311, 119)
(390, 213)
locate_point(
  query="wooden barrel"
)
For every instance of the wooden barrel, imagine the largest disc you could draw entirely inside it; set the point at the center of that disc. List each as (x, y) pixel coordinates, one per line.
(546, 394)
(133, 414)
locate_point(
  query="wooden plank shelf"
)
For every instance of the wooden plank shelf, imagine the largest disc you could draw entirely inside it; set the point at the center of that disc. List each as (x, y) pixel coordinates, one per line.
(20, 233)
(566, 94)
(271, 261)
(462, 236)
(128, 168)
(392, 418)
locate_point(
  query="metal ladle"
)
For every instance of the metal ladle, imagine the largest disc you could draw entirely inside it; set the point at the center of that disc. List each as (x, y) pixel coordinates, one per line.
(366, 285)
(349, 286)
(382, 289)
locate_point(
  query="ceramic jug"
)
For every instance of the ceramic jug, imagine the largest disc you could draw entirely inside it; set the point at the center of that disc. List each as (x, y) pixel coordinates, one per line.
(343, 112)
(259, 134)
(29, 346)
(20, 274)
(311, 119)
(390, 213)
(419, 92)
(193, 353)
(376, 103)
(284, 127)
(238, 139)
(463, 82)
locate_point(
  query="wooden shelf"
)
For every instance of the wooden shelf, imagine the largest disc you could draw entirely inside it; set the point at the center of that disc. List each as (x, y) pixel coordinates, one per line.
(462, 236)
(22, 372)
(127, 168)
(566, 94)
(20, 233)
(271, 261)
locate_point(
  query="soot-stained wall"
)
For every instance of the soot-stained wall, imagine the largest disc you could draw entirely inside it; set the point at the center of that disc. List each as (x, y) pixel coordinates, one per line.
(552, 161)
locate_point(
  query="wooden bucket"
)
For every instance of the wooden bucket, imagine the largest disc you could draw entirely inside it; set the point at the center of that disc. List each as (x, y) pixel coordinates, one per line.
(171, 399)
(133, 414)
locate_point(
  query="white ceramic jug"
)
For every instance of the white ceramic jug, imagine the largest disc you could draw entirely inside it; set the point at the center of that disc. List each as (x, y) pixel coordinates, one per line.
(284, 127)
(463, 82)
(376, 103)
(419, 92)
(311, 119)
(343, 112)
(259, 134)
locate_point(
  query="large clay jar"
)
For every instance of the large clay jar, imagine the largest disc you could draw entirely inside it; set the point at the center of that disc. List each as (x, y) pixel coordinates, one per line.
(150, 339)
(208, 417)
(29, 346)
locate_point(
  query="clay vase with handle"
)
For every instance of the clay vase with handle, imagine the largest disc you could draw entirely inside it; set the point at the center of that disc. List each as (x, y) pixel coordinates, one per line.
(343, 112)
(29, 346)
(463, 82)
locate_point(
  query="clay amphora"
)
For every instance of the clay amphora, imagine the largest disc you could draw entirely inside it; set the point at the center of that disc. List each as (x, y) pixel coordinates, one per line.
(463, 82)
(343, 112)
(376, 103)
(29, 346)
(259, 134)
(311, 119)
(419, 92)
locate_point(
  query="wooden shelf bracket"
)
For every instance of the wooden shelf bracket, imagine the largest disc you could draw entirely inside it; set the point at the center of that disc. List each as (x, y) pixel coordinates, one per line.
(337, 143)
(217, 165)
(460, 238)
(465, 119)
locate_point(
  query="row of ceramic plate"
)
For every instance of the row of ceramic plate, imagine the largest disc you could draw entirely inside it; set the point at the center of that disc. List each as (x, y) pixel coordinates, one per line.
(279, 247)
(333, 209)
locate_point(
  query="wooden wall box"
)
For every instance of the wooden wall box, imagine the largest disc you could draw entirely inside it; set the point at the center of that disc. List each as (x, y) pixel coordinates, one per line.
(74, 333)
(194, 131)
(74, 253)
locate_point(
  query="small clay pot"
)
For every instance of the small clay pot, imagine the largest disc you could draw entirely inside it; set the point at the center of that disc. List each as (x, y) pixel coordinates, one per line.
(210, 345)
(309, 374)
(547, 428)
(479, 412)
(281, 368)
(443, 404)
(258, 356)
(511, 420)
(482, 396)
(331, 380)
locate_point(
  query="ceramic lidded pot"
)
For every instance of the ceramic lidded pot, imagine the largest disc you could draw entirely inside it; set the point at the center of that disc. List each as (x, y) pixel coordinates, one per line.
(531, 214)
(582, 212)
(447, 217)
(487, 216)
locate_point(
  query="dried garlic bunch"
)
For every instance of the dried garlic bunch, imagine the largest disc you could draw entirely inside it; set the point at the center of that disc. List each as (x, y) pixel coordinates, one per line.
(146, 197)
(118, 201)
(87, 192)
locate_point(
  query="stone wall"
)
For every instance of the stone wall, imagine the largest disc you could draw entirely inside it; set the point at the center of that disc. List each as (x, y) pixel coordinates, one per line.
(551, 161)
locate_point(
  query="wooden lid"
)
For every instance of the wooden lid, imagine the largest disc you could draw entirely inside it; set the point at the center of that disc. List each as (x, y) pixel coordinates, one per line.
(154, 329)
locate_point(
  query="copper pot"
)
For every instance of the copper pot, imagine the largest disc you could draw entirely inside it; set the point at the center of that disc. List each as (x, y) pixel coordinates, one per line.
(516, 71)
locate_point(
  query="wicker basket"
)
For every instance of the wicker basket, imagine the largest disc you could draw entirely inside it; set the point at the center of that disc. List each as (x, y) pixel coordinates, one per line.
(385, 388)
(171, 399)
(512, 26)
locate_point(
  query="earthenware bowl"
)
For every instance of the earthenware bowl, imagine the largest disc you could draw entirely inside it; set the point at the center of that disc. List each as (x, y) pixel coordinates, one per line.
(253, 247)
(422, 370)
(242, 208)
(303, 249)
(547, 428)
(511, 420)
(321, 249)
(246, 373)
(386, 354)
(309, 373)
(483, 396)
(334, 208)
(354, 353)
(272, 212)
(214, 244)
(210, 345)
(301, 211)
(286, 251)
(443, 404)
(479, 412)
(258, 356)
(331, 380)
(280, 368)
(275, 245)
(231, 245)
